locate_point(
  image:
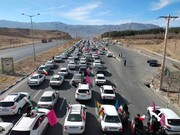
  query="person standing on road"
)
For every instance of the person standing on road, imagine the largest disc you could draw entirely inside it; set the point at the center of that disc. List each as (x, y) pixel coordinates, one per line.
(124, 62)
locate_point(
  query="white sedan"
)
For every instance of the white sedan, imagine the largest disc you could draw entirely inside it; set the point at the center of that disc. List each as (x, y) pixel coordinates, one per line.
(63, 72)
(36, 79)
(56, 80)
(107, 92)
(109, 54)
(100, 79)
(110, 120)
(5, 128)
(72, 65)
(75, 121)
(96, 62)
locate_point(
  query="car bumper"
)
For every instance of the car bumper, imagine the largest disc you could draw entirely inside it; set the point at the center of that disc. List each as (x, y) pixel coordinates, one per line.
(33, 84)
(169, 132)
(74, 132)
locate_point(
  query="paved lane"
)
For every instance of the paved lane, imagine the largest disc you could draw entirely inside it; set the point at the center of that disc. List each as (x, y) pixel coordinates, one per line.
(20, 53)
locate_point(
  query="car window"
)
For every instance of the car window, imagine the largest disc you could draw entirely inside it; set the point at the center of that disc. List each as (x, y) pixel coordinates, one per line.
(157, 112)
(174, 122)
(34, 77)
(83, 91)
(112, 119)
(6, 104)
(22, 96)
(74, 117)
(55, 79)
(109, 91)
(46, 99)
(77, 76)
(38, 122)
(99, 77)
(13, 132)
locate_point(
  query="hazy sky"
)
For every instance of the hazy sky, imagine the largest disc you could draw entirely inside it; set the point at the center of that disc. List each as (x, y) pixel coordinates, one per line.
(91, 11)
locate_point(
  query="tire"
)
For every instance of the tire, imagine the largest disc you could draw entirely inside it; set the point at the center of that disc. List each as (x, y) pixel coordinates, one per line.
(19, 111)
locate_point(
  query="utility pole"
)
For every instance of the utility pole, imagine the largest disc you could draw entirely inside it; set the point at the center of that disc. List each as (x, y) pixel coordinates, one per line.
(168, 18)
(56, 35)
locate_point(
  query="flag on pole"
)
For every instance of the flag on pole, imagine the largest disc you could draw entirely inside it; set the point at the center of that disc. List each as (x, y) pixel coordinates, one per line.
(117, 104)
(45, 72)
(52, 118)
(121, 109)
(68, 105)
(132, 125)
(154, 106)
(142, 118)
(162, 120)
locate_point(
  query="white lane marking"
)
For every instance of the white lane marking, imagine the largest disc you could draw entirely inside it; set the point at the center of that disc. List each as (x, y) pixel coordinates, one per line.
(115, 82)
(62, 104)
(118, 59)
(37, 94)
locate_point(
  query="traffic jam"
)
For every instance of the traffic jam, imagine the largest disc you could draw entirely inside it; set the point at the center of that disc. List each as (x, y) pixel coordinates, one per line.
(70, 86)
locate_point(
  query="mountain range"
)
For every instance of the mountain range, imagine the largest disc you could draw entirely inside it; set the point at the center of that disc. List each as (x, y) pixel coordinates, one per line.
(77, 30)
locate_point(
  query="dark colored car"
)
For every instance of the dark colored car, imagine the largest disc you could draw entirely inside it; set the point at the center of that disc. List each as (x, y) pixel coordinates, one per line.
(153, 63)
(77, 78)
(99, 69)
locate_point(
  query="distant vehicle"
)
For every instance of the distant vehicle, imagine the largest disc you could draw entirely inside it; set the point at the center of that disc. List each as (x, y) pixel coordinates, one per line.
(44, 40)
(63, 71)
(100, 79)
(110, 120)
(72, 65)
(13, 103)
(36, 79)
(57, 58)
(48, 99)
(5, 128)
(99, 68)
(50, 40)
(109, 54)
(172, 120)
(83, 92)
(75, 121)
(43, 69)
(34, 125)
(50, 63)
(153, 63)
(107, 92)
(77, 78)
(56, 80)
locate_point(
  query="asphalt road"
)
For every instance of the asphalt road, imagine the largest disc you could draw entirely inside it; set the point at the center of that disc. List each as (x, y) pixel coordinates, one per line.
(20, 53)
(129, 83)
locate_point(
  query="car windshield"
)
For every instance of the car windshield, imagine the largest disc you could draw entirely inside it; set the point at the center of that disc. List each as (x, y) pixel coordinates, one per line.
(55, 79)
(6, 104)
(74, 117)
(109, 91)
(14, 132)
(112, 119)
(62, 70)
(46, 99)
(83, 91)
(99, 77)
(34, 77)
(174, 122)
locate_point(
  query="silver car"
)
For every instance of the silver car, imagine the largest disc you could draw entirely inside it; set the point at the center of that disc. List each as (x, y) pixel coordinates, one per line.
(56, 80)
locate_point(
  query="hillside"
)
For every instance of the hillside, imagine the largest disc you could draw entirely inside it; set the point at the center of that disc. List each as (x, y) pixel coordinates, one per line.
(78, 30)
(11, 36)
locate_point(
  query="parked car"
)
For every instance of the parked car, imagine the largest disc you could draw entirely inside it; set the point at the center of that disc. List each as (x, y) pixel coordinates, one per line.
(107, 92)
(13, 103)
(100, 79)
(77, 78)
(72, 65)
(57, 58)
(48, 99)
(75, 121)
(109, 54)
(153, 63)
(172, 120)
(36, 79)
(110, 120)
(5, 128)
(56, 80)
(63, 71)
(83, 92)
(43, 69)
(50, 63)
(34, 125)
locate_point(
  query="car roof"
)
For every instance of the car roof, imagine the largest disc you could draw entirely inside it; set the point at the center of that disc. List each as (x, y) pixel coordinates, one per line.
(34, 74)
(75, 109)
(109, 87)
(63, 68)
(169, 113)
(100, 75)
(43, 66)
(47, 93)
(10, 97)
(55, 76)
(109, 110)
(83, 86)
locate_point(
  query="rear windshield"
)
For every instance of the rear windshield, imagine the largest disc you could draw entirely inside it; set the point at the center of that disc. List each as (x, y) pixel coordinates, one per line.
(74, 117)
(100, 78)
(112, 119)
(109, 91)
(6, 104)
(83, 91)
(13, 132)
(55, 79)
(63, 70)
(34, 77)
(174, 122)
(46, 99)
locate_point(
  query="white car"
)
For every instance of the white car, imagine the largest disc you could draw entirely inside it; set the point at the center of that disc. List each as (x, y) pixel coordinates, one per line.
(50, 63)
(83, 59)
(36, 79)
(82, 63)
(72, 65)
(75, 120)
(172, 120)
(5, 128)
(63, 55)
(48, 99)
(13, 103)
(63, 72)
(57, 58)
(110, 120)
(71, 59)
(83, 92)
(109, 54)
(107, 92)
(56, 80)
(34, 125)
(100, 79)
(96, 62)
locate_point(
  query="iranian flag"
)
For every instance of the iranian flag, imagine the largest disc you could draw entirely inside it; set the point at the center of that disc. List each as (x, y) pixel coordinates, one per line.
(132, 125)
(121, 109)
(28, 101)
(68, 105)
(45, 72)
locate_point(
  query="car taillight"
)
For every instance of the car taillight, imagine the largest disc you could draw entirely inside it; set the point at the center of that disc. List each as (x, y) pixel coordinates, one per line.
(168, 127)
(13, 107)
(65, 127)
(82, 127)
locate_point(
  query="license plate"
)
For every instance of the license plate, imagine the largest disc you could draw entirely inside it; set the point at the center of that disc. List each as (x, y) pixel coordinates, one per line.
(5, 110)
(108, 97)
(113, 129)
(73, 127)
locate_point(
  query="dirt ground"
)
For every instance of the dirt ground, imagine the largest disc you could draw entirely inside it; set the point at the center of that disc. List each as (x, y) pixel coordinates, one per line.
(26, 66)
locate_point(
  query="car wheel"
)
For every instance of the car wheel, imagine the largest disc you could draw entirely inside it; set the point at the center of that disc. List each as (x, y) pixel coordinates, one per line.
(19, 111)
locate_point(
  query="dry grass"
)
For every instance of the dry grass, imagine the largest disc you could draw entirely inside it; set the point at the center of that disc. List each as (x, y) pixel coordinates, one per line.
(28, 65)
